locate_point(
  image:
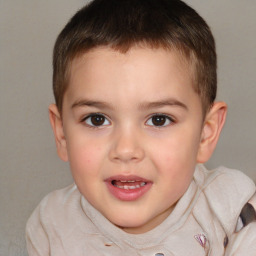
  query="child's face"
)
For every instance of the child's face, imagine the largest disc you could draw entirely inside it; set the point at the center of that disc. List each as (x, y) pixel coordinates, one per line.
(132, 128)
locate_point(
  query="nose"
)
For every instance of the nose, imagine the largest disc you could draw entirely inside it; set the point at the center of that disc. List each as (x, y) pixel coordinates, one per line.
(126, 147)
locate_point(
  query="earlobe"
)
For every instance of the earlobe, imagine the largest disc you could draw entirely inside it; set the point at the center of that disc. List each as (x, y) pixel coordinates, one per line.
(213, 125)
(57, 127)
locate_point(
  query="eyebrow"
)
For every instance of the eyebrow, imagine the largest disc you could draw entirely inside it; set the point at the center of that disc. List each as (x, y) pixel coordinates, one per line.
(163, 103)
(142, 106)
(90, 103)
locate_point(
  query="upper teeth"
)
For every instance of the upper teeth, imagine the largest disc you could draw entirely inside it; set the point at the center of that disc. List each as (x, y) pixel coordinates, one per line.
(131, 187)
(129, 180)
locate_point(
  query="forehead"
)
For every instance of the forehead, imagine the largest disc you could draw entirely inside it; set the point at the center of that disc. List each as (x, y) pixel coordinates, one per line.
(145, 71)
(99, 59)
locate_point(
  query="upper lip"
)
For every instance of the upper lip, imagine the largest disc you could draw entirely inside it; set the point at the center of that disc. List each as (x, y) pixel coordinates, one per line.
(126, 178)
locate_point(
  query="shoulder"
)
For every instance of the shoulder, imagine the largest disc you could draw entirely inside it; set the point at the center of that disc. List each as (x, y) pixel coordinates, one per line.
(222, 176)
(224, 183)
(226, 191)
(56, 207)
(58, 223)
(50, 203)
(58, 199)
(52, 211)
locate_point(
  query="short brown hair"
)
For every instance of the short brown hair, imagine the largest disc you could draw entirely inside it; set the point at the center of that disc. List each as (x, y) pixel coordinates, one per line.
(121, 24)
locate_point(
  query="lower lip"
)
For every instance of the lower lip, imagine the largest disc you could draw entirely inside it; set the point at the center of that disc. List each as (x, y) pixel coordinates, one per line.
(128, 194)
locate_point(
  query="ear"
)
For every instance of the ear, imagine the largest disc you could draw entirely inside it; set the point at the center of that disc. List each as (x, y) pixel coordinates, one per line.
(213, 124)
(57, 127)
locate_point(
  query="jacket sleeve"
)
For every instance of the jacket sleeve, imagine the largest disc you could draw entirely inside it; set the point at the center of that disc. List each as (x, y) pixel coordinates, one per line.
(36, 237)
(243, 242)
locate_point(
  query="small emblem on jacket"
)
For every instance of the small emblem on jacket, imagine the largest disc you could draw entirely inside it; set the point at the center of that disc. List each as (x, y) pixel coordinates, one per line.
(201, 239)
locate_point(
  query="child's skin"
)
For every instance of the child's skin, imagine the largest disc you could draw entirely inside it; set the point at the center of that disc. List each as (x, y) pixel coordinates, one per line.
(147, 127)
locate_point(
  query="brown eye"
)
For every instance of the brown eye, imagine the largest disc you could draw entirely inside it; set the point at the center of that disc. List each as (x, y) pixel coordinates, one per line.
(96, 120)
(159, 120)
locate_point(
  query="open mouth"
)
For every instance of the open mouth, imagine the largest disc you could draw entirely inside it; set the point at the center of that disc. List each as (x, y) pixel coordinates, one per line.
(130, 184)
(128, 188)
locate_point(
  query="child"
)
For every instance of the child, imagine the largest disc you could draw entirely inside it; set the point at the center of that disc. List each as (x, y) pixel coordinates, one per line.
(135, 117)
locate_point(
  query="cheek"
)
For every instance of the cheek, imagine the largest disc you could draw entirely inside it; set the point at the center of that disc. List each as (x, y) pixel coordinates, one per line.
(177, 154)
(177, 148)
(85, 159)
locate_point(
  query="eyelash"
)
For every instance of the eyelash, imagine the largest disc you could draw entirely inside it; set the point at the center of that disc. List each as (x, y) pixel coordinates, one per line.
(163, 118)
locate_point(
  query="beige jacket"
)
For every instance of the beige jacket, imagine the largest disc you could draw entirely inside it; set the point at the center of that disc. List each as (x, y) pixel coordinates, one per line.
(205, 221)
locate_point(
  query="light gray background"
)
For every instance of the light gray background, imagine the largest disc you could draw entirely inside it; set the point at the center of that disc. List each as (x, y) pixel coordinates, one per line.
(29, 167)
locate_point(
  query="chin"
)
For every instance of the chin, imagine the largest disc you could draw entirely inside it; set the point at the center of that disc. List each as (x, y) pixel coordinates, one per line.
(131, 223)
